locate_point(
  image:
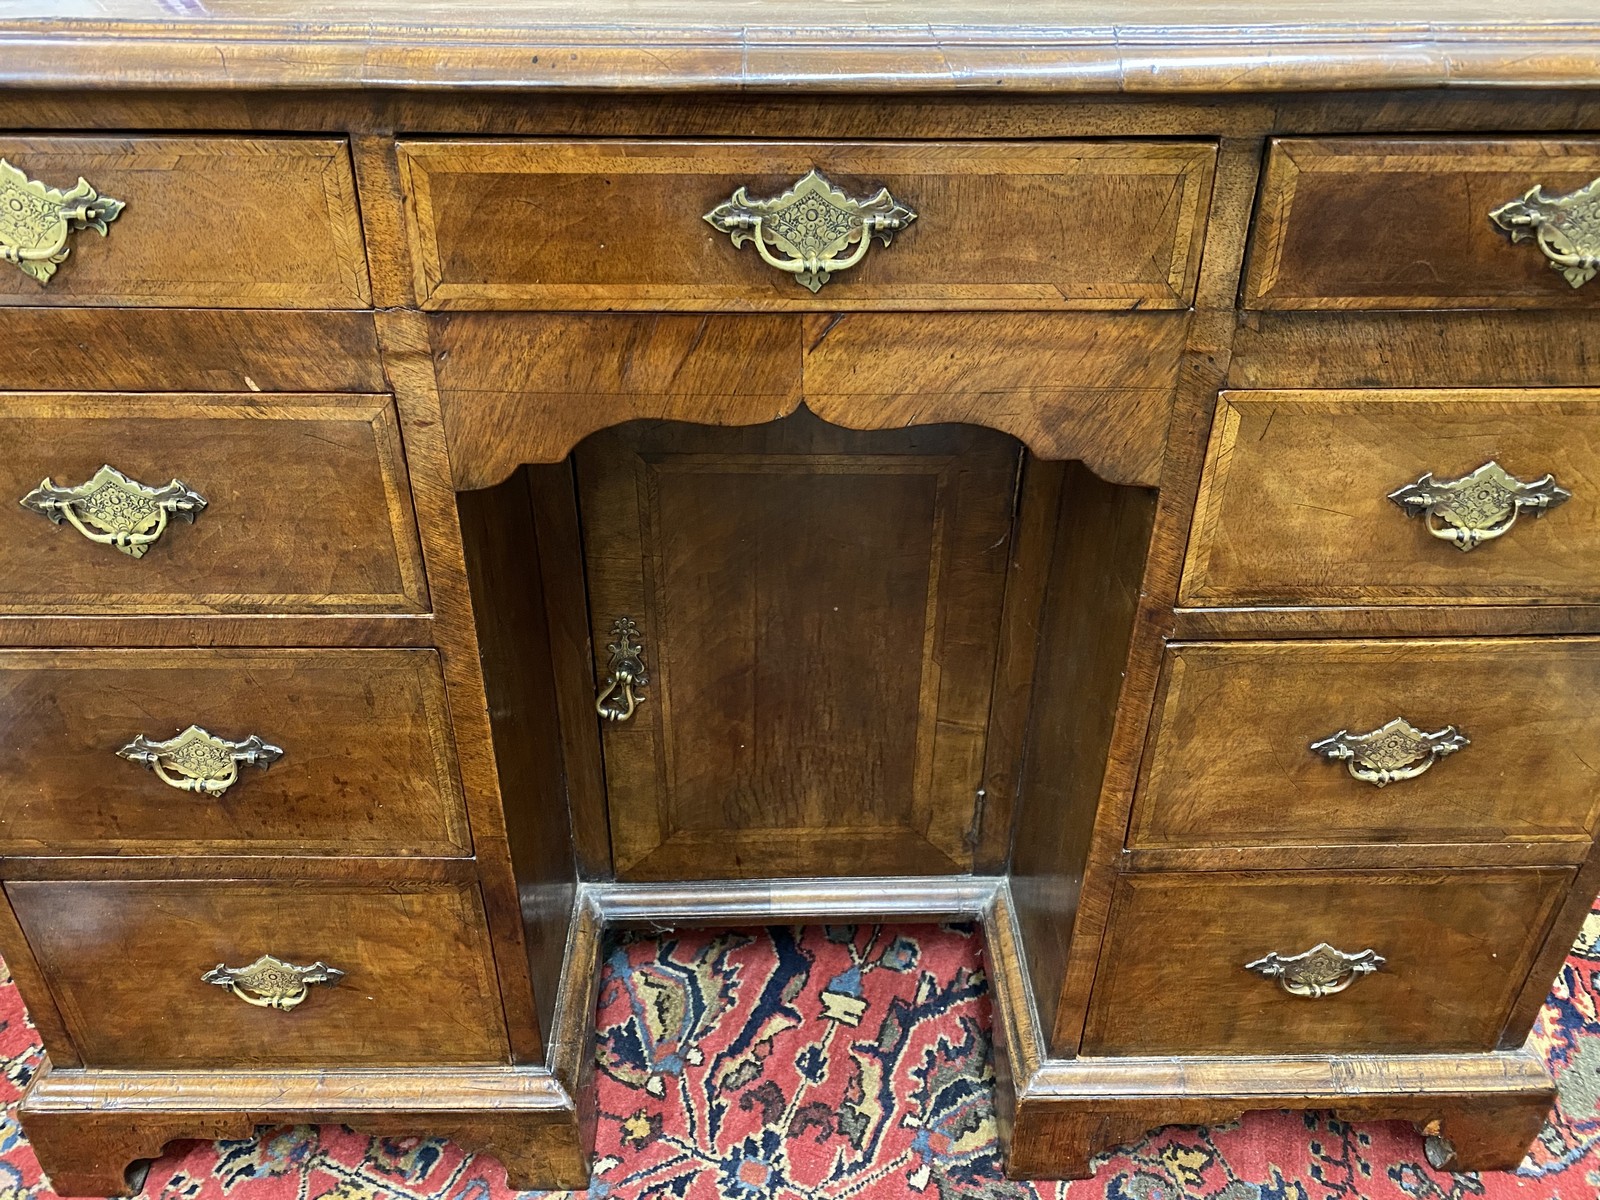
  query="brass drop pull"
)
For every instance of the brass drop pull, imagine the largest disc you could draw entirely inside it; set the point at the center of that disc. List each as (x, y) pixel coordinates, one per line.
(814, 224)
(35, 220)
(626, 672)
(1320, 971)
(197, 761)
(272, 983)
(1479, 507)
(113, 510)
(1567, 228)
(1397, 751)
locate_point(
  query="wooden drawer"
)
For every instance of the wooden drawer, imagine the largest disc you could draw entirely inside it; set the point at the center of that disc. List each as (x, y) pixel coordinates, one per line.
(1404, 223)
(1229, 760)
(367, 765)
(1457, 947)
(125, 962)
(1295, 501)
(307, 506)
(209, 222)
(621, 224)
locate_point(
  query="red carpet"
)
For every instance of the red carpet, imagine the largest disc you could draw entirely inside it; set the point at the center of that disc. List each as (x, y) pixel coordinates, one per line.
(820, 1064)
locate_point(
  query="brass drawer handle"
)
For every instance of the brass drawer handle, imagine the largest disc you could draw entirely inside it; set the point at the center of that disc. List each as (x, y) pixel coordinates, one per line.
(618, 699)
(35, 220)
(270, 982)
(1567, 228)
(814, 223)
(1399, 750)
(197, 761)
(113, 510)
(1479, 507)
(1320, 971)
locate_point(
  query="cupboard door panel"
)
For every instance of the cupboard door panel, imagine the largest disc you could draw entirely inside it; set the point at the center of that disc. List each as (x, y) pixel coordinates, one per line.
(819, 611)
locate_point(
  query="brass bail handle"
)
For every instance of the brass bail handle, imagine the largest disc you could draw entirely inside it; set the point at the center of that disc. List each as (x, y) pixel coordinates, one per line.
(35, 220)
(1565, 228)
(271, 982)
(1478, 507)
(619, 697)
(114, 510)
(199, 761)
(1320, 971)
(1391, 753)
(816, 227)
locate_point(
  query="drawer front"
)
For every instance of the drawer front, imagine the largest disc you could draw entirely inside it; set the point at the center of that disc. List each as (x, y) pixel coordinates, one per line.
(366, 765)
(1295, 503)
(1230, 759)
(1379, 223)
(126, 961)
(583, 225)
(208, 222)
(306, 505)
(1456, 947)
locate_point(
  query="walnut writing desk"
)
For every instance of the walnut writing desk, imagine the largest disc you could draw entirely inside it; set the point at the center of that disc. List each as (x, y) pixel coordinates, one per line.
(478, 477)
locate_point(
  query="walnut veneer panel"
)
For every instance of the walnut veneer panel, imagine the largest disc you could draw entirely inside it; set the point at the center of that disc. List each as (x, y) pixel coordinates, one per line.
(570, 224)
(820, 612)
(210, 222)
(1458, 946)
(308, 504)
(1294, 506)
(1144, 47)
(124, 961)
(1404, 223)
(368, 765)
(1229, 762)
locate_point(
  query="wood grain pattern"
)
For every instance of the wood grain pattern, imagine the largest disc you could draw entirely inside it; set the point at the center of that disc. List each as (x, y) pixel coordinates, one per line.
(308, 511)
(1366, 223)
(1490, 1106)
(408, 362)
(124, 961)
(1102, 534)
(504, 569)
(1000, 225)
(1205, 363)
(212, 222)
(1067, 385)
(1229, 762)
(1294, 506)
(820, 611)
(1457, 946)
(508, 382)
(1142, 47)
(188, 350)
(368, 765)
(90, 1126)
(1351, 349)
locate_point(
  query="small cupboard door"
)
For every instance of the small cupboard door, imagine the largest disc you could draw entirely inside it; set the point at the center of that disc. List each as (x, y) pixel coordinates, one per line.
(819, 613)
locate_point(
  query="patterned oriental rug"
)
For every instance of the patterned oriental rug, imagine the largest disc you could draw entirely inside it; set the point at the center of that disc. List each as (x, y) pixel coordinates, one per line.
(826, 1063)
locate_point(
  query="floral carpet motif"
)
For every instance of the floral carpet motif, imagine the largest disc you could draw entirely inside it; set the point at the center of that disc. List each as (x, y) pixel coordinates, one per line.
(826, 1063)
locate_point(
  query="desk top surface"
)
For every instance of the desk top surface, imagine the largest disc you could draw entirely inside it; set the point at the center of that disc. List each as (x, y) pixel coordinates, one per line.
(1109, 46)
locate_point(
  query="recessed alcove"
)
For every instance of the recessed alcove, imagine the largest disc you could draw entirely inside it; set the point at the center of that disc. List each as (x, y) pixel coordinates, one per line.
(862, 654)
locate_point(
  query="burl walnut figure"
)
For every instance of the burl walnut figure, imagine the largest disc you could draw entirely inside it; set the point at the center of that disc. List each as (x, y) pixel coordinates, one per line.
(483, 474)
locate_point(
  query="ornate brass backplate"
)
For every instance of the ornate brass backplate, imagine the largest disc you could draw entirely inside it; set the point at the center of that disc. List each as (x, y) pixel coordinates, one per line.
(1479, 507)
(619, 698)
(35, 220)
(1320, 971)
(197, 761)
(814, 224)
(270, 982)
(113, 510)
(1399, 750)
(1567, 228)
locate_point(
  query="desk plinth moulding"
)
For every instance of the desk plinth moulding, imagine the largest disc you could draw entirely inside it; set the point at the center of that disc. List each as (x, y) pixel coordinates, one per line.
(1130, 487)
